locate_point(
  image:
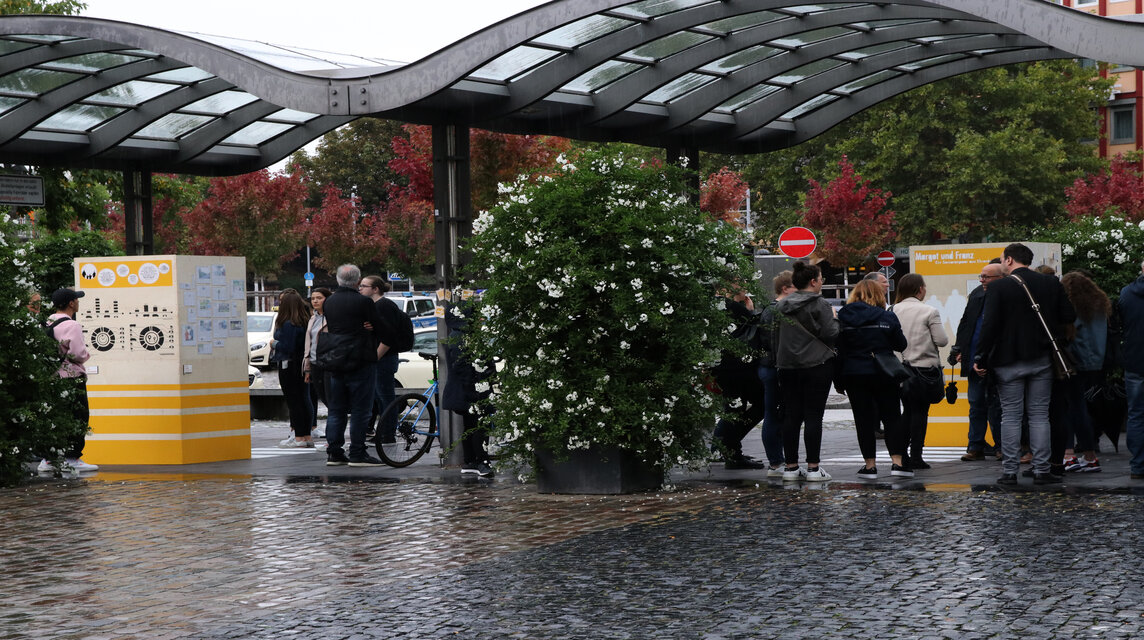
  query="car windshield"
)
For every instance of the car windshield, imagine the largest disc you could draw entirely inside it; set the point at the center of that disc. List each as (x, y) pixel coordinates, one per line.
(255, 324)
(425, 341)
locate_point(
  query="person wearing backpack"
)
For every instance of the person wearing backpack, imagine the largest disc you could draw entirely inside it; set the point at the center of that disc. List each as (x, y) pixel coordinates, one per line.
(62, 326)
(396, 334)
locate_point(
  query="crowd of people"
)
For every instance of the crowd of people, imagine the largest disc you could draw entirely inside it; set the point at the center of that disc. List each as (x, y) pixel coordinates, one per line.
(1034, 349)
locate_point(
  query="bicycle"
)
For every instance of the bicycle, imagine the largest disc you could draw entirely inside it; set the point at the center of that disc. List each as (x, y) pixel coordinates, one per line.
(416, 418)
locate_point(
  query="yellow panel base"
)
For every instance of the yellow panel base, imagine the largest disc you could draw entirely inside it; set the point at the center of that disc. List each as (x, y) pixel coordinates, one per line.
(167, 451)
(949, 424)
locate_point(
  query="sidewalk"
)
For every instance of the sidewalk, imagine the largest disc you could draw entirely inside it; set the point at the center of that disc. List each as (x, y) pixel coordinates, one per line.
(840, 457)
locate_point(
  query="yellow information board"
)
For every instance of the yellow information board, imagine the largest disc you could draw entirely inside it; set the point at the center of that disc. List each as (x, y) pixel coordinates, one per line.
(950, 272)
(167, 381)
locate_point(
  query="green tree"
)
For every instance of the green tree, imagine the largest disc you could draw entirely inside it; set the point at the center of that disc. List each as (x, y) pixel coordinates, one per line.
(51, 257)
(977, 157)
(60, 7)
(355, 159)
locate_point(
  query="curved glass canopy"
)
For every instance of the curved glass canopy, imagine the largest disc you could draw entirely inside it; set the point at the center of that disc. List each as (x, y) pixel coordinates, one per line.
(738, 76)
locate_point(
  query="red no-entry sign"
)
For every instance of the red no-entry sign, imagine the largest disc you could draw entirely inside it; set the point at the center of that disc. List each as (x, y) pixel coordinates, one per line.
(797, 242)
(886, 258)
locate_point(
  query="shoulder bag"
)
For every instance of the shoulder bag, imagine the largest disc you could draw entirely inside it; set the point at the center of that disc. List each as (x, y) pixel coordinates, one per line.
(1063, 366)
(889, 366)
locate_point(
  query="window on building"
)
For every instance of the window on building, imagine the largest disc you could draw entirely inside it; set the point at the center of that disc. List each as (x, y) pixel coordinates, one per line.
(1122, 125)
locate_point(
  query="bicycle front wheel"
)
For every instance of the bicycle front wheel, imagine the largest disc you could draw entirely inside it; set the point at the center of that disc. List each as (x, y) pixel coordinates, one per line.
(416, 421)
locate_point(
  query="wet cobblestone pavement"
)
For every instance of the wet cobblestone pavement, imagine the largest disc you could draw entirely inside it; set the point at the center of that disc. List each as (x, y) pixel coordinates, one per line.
(254, 557)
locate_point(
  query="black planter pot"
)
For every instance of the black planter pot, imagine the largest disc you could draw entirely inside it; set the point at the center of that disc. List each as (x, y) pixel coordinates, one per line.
(597, 470)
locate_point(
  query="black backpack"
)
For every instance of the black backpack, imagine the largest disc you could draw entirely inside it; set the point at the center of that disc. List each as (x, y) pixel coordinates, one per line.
(50, 329)
(399, 326)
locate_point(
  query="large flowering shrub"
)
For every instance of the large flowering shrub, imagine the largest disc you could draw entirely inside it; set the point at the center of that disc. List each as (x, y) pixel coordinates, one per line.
(601, 298)
(1111, 248)
(32, 418)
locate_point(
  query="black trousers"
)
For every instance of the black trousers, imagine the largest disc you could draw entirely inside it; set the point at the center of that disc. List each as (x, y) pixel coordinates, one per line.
(297, 398)
(473, 440)
(317, 392)
(915, 422)
(744, 398)
(874, 400)
(804, 393)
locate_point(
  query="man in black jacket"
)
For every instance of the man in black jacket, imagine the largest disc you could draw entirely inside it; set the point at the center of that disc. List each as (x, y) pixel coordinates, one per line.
(1131, 309)
(1015, 345)
(351, 387)
(984, 403)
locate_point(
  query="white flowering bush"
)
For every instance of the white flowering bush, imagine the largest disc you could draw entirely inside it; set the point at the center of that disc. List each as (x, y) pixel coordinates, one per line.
(600, 297)
(1111, 248)
(33, 420)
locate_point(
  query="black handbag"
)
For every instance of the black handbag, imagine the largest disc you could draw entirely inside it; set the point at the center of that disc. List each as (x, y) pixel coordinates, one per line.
(889, 366)
(925, 383)
(342, 352)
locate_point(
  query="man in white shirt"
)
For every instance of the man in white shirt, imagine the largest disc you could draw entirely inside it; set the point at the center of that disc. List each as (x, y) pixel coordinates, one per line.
(69, 334)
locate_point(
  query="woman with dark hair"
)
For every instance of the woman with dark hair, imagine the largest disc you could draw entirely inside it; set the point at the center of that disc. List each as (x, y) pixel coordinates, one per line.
(1087, 349)
(289, 350)
(807, 330)
(312, 375)
(924, 332)
(868, 329)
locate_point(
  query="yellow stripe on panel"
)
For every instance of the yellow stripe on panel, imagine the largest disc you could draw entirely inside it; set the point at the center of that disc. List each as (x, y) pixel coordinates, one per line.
(173, 402)
(167, 424)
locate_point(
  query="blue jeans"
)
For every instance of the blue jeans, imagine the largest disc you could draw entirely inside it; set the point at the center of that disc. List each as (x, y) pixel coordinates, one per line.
(1134, 388)
(349, 393)
(1025, 386)
(385, 393)
(984, 412)
(772, 420)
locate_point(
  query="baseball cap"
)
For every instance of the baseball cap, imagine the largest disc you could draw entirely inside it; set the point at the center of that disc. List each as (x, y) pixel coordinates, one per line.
(61, 297)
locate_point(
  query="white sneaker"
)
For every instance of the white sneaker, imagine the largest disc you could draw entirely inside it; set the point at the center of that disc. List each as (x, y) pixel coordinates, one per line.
(793, 475)
(817, 475)
(318, 433)
(80, 466)
(288, 443)
(775, 472)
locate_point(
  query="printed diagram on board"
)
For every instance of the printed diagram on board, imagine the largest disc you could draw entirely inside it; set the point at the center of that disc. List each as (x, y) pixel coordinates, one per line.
(114, 325)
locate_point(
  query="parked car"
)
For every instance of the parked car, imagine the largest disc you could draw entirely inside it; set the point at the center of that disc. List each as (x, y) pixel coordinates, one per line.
(255, 377)
(421, 308)
(259, 331)
(414, 372)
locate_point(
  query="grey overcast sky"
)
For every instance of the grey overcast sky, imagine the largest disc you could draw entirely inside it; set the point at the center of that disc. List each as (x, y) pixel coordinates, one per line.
(400, 30)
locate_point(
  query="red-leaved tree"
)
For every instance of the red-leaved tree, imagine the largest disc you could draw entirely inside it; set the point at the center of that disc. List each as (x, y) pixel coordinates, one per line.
(722, 194)
(1119, 190)
(850, 217)
(257, 215)
(343, 233)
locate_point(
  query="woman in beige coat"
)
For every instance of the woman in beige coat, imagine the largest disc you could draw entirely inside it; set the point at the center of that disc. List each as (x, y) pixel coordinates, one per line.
(924, 335)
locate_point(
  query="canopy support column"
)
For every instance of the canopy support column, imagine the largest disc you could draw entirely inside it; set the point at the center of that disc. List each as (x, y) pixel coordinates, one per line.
(137, 214)
(453, 220)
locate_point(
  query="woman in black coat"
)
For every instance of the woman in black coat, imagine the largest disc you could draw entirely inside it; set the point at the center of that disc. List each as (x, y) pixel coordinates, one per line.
(464, 386)
(866, 328)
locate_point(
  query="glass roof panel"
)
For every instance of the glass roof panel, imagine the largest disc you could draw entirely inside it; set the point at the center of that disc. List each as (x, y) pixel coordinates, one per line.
(7, 103)
(807, 70)
(886, 24)
(652, 8)
(661, 48)
(602, 75)
(91, 62)
(747, 97)
(40, 37)
(513, 62)
(741, 59)
(583, 30)
(35, 82)
(929, 62)
(186, 74)
(745, 21)
(809, 105)
(257, 132)
(80, 118)
(810, 37)
(290, 115)
(885, 47)
(132, 93)
(933, 39)
(807, 9)
(682, 85)
(172, 126)
(9, 46)
(867, 81)
(220, 103)
(291, 59)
